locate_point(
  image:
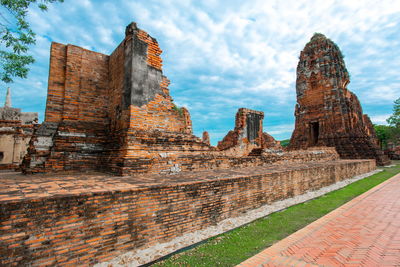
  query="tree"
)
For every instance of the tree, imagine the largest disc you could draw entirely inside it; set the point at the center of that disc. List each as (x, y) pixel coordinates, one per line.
(285, 143)
(394, 120)
(383, 134)
(16, 37)
(387, 135)
(390, 134)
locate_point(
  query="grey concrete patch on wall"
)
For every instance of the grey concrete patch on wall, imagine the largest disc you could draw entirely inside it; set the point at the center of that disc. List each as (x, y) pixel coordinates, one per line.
(141, 81)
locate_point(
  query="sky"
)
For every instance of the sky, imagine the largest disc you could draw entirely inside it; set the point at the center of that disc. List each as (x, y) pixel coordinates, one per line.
(224, 55)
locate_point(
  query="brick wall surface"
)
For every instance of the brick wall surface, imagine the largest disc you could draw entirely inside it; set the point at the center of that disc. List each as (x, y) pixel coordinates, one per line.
(65, 221)
(76, 120)
(56, 83)
(78, 83)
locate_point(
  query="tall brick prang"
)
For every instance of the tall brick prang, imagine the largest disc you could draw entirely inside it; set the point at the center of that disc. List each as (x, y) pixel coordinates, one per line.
(327, 113)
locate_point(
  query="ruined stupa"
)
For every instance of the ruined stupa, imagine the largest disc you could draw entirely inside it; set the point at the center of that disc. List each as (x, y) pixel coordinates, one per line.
(327, 113)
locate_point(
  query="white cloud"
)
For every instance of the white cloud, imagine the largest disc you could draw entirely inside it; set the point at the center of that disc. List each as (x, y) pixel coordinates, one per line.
(380, 119)
(382, 93)
(222, 55)
(279, 129)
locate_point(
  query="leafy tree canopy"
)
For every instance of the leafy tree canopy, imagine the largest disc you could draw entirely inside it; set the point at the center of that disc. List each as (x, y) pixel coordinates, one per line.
(383, 132)
(285, 143)
(16, 37)
(390, 133)
(394, 120)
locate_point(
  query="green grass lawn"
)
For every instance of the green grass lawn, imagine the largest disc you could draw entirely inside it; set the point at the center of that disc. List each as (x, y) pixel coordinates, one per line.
(233, 247)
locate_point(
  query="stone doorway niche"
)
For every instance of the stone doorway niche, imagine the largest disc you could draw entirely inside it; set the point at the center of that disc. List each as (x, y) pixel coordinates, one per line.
(253, 126)
(314, 132)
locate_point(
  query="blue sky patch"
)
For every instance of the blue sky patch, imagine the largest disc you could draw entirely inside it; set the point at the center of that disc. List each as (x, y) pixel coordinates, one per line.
(224, 55)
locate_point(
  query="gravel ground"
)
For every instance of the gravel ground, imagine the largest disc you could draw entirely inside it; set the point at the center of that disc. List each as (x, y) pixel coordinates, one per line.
(143, 256)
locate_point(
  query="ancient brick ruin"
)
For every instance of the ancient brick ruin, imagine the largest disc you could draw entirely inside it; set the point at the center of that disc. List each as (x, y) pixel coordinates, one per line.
(327, 113)
(84, 219)
(248, 133)
(113, 113)
(16, 130)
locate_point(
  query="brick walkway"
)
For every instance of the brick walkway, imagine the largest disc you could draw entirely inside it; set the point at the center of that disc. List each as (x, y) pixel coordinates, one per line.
(363, 232)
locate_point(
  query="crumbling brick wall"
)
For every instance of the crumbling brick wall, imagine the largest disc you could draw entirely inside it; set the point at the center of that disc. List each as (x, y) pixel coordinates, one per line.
(111, 113)
(248, 133)
(146, 125)
(327, 113)
(76, 119)
(84, 226)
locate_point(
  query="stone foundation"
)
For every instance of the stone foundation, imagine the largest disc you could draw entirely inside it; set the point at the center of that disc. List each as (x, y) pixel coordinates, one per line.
(84, 219)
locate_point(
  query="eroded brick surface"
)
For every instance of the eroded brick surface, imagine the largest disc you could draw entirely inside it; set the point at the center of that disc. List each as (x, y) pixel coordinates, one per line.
(206, 138)
(248, 134)
(393, 152)
(112, 113)
(327, 113)
(115, 114)
(64, 219)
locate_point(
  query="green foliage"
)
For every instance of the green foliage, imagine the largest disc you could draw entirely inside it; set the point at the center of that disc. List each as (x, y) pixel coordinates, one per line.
(390, 134)
(382, 132)
(231, 248)
(178, 109)
(387, 134)
(285, 143)
(16, 37)
(394, 120)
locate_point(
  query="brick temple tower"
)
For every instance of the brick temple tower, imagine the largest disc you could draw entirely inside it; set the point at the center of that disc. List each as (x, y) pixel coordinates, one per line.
(327, 113)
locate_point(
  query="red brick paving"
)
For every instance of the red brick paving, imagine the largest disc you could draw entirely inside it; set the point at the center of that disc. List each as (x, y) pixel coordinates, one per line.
(363, 232)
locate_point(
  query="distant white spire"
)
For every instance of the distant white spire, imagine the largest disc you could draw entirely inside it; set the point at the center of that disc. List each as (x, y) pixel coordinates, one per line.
(8, 98)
